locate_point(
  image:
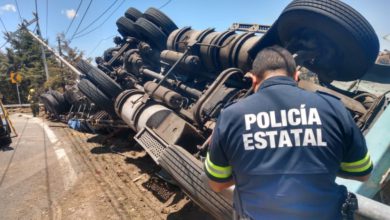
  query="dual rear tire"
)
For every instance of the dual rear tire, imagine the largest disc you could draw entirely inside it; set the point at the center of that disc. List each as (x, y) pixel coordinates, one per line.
(346, 43)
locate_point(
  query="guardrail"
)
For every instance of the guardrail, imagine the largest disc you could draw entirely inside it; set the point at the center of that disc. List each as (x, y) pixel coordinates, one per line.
(20, 105)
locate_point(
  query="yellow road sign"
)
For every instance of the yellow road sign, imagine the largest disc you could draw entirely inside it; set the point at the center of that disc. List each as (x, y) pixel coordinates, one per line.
(16, 78)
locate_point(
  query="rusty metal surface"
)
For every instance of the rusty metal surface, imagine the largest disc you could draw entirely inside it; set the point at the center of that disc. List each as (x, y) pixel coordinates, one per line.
(350, 103)
(257, 28)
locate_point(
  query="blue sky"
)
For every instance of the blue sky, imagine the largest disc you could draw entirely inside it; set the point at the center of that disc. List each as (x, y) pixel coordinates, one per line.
(199, 14)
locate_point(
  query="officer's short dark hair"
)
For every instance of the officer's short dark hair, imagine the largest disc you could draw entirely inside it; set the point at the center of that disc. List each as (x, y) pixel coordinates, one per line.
(273, 58)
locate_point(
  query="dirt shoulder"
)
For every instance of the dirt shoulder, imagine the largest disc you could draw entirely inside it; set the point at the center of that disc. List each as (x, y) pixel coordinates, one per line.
(59, 173)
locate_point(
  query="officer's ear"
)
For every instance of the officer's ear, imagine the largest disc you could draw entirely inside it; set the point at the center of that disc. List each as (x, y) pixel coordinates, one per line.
(251, 76)
(296, 75)
(255, 80)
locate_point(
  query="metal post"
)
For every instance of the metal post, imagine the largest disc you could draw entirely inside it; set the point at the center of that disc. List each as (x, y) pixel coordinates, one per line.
(42, 48)
(61, 63)
(17, 90)
(44, 62)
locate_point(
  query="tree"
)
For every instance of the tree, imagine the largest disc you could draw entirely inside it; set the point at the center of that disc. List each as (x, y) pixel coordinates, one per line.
(24, 57)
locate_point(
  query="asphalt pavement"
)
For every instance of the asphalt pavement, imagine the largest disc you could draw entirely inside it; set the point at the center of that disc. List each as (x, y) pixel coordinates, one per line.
(32, 170)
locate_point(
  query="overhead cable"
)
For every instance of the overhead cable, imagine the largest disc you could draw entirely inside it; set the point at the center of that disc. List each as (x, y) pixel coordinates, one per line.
(36, 7)
(82, 19)
(98, 17)
(165, 4)
(18, 9)
(1, 47)
(101, 24)
(98, 44)
(47, 16)
(1, 20)
(71, 22)
(37, 15)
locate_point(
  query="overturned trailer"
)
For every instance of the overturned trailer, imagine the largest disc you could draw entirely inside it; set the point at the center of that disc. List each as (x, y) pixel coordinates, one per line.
(169, 84)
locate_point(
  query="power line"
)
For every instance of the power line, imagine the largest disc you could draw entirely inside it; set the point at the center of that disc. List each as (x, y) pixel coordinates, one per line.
(71, 22)
(1, 47)
(47, 15)
(42, 48)
(98, 44)
(18, 9)
(101, 24)
(6, 31)
(36, 7)
(98, 17)
(37, 15)
(165, 4)
(1, 20)
(82, 19)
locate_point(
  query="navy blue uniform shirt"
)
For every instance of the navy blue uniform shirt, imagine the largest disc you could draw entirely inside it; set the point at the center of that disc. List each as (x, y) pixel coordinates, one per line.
(284, 147)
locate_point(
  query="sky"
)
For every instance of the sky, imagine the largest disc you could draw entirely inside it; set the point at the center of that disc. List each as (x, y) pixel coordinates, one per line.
(199, 14)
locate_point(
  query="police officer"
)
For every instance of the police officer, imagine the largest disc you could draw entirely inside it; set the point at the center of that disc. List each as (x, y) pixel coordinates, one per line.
(283, 147)
(33, 99)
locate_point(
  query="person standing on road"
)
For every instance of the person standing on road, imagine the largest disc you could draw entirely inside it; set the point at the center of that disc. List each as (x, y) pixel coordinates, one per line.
(33, 99)
(283, 147)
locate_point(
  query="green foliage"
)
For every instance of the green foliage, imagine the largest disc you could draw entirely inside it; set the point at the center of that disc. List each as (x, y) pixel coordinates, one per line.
(24, 56)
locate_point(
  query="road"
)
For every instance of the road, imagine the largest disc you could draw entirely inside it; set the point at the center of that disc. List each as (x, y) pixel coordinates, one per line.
(52, 172)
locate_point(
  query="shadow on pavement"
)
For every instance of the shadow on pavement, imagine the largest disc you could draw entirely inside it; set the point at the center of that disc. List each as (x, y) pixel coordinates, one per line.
(6, 148)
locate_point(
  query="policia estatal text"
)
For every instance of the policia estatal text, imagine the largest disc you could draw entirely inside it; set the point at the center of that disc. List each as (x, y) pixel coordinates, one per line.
(282, 147)
(272, 138)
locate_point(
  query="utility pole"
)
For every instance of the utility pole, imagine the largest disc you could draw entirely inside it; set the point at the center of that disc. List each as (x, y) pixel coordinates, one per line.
(17, 90)
(42, 48)
(61, 63)
(70, 66)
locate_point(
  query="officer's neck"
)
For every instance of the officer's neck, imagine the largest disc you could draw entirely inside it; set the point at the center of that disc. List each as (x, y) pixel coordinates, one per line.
(266, 75)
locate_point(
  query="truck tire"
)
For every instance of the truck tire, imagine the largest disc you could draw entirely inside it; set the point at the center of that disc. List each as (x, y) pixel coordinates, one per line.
(73, 97)
(133, 14)
(43, 100)
(151, 33)
(127, 27)
(83, 66)
(108, 54)
(122, 33)
(348, 32)
(51, 103)
(107, 85)
(96, 96)
(64, 105)
(187, 171)
(160, 20)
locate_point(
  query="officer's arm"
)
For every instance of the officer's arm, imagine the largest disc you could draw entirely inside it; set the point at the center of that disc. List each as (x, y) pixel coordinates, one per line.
(356, 163)
(357, 169)
(216, 166)
(358, 178)
(219, 177)
(218, 187)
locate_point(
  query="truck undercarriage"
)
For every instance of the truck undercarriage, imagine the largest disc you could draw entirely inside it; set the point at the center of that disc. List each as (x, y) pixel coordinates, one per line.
(169, 84)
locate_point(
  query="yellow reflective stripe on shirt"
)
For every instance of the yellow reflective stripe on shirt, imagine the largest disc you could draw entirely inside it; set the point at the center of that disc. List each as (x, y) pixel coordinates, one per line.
(217, 171)
(357, 166)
